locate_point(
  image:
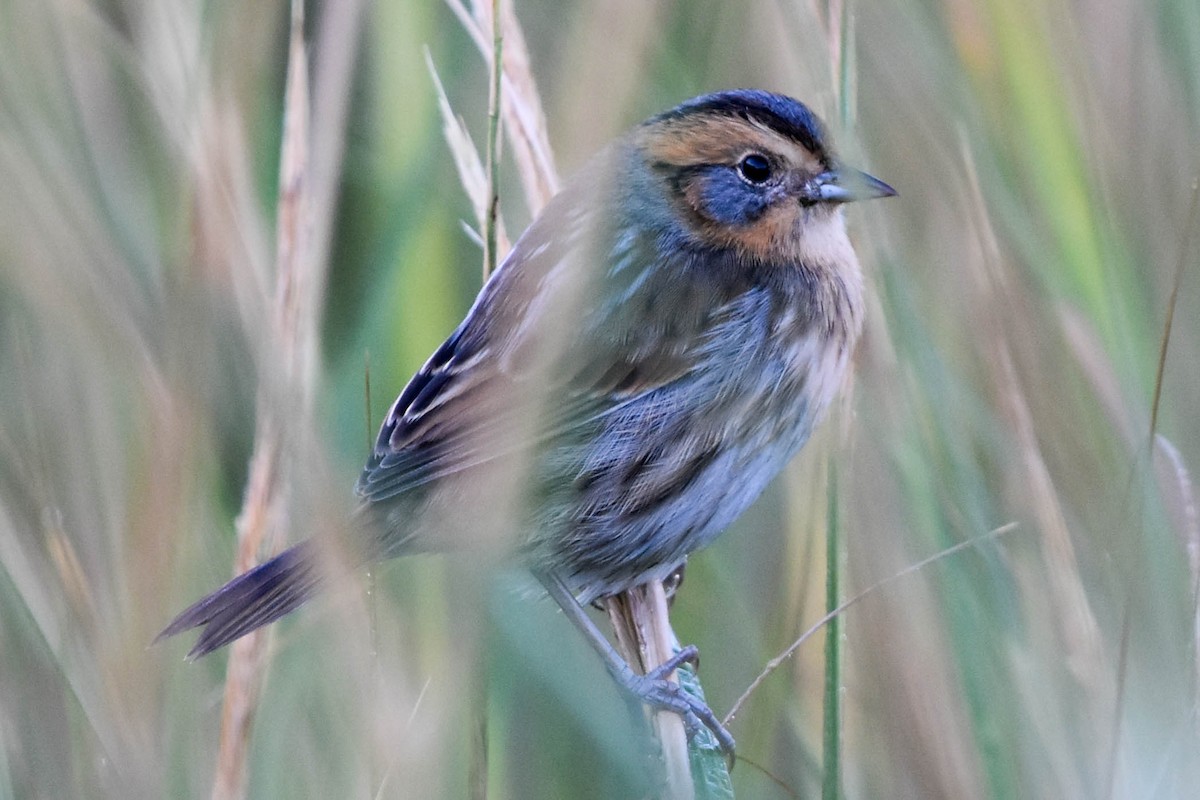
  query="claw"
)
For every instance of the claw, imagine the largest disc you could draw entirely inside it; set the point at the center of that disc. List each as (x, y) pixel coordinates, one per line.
(687, 655)
(657, 691)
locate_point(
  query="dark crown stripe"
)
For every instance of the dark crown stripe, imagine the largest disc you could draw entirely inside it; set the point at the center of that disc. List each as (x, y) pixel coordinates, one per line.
(782, 114)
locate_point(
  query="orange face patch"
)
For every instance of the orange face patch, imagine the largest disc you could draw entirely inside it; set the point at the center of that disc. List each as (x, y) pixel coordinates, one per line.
(721, 140)
(678, 144)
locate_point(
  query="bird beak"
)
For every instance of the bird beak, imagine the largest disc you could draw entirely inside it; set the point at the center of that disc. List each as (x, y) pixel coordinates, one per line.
(845, 185)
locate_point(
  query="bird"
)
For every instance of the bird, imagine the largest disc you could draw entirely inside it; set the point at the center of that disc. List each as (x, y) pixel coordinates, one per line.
(657, 345)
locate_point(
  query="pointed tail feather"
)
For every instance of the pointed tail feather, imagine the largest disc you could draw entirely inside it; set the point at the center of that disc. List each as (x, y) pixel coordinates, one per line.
(251, 600)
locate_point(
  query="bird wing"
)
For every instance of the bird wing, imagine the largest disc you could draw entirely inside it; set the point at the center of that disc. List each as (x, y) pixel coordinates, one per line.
(551, 345)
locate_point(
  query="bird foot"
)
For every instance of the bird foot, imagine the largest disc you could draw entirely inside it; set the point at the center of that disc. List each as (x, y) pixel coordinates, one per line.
(658, 691)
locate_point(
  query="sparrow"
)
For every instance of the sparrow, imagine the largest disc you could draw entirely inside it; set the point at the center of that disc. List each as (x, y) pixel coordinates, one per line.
(657, 346)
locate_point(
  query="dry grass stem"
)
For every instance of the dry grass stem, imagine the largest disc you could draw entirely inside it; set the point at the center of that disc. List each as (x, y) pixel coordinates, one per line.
(336, 54)
(1173, 471)
(524, 120)
(471, 172)
(641, 621)
(1076, 622)
(307, 190)
(643, 628)
(1172, 302)
(263, 518)
(492, 198)
(779, 660)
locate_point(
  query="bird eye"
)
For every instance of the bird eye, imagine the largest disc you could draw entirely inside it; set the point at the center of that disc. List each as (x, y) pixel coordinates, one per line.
(755, 168)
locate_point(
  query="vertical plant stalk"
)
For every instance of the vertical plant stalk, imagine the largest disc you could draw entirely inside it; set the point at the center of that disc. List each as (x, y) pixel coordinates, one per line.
(639, 617)
(831, 782)
(643, 628)
(371, 598)
(1189, 533)
(477, 780)
(524, 120)
(1189, 226)
(293, 335)
(471, 172)
(841, 45)
(492, 212)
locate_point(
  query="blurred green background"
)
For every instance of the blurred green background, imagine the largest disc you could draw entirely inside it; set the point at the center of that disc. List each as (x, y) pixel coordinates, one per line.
(1045, 154)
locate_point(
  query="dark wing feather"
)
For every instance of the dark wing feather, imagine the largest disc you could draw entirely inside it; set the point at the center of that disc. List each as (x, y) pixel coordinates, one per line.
(463, 407)
(585, 317)
(521, 342)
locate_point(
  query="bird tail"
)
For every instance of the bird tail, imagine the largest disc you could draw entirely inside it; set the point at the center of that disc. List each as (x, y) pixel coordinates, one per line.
(251, 600)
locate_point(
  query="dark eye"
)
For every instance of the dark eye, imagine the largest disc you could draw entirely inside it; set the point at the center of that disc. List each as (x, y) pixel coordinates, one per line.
(754, 168)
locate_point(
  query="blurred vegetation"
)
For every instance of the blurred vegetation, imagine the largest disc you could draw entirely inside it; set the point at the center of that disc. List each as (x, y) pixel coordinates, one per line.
(1045, 154)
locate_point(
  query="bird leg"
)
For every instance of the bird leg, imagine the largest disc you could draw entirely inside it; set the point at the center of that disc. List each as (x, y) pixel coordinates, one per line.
(655, 688)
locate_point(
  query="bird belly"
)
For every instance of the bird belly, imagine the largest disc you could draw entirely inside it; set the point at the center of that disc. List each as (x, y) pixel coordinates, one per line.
(656, 493)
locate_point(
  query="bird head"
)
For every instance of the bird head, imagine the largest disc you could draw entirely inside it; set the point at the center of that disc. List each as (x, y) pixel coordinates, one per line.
(752, 170)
